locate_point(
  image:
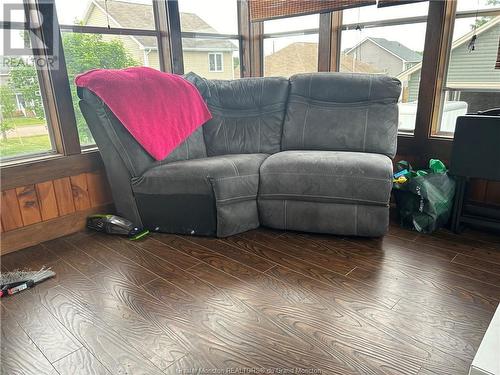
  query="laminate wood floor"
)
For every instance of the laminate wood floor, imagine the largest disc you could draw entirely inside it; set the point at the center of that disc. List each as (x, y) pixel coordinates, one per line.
(261, 302)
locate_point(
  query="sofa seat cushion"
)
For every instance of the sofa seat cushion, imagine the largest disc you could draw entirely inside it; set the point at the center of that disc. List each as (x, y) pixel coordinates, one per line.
(327, 176)
(214, 195)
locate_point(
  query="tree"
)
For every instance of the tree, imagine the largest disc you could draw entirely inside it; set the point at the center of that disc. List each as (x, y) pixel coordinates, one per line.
(7, 109)
(482, 20)
(89, 51)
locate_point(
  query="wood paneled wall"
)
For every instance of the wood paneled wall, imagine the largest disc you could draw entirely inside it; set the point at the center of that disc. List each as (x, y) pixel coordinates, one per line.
(478, 191)
(485, 192)
(38, 212)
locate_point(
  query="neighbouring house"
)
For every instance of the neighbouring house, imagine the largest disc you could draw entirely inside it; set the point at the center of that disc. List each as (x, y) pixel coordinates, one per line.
(4, 81)
(4, 74)
(470, 74)
(386, 56)
(210, 58)
(472, 82)
(302, 57)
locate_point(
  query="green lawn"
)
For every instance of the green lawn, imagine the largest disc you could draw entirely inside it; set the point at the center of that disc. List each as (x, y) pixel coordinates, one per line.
(29, 145)
(25, 121)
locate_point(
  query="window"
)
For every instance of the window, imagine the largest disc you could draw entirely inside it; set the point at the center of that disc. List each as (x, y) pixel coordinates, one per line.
(215, 63)
(395, 49)
(289, 51)
(24, 126)
(472, 84)
(213, 30)
(110, 48)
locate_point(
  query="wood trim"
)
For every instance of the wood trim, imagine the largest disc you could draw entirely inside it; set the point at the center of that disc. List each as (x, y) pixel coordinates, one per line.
(438, 36)
(257, 49)
(175, 35)
(55, 86)
(60, 166)
(442, 64)
(164, 48)
(324, 42)
(336, 41)
(47, 230)
(251, 43)
(244, 31)
(330, 34)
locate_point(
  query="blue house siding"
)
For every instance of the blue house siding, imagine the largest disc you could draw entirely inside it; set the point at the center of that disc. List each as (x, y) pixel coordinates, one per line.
(468, 69)
(479, 65)
(413, 86)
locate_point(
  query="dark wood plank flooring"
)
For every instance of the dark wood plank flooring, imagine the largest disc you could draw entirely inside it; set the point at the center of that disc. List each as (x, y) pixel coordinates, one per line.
(264, 300)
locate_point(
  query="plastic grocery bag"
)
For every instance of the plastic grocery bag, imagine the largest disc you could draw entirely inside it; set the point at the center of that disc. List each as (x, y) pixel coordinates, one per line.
(425, 199)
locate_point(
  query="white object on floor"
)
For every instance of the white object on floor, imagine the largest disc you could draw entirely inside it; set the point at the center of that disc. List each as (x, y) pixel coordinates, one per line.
(487, 358)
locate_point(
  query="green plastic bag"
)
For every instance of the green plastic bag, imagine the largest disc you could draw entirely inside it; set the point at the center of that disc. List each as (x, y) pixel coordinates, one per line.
(425, 201)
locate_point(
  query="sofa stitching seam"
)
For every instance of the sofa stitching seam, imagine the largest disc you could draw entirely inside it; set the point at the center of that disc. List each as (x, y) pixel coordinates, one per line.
(238, 176)
(325, 175)
(284, 214)
(316, 196)
(355, 219)
(366, 114)
(225, 200)
(235, 168)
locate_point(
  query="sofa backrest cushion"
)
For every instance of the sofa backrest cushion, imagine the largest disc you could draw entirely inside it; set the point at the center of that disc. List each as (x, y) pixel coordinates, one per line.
(247, 115)
(342, 112)
(133, 155)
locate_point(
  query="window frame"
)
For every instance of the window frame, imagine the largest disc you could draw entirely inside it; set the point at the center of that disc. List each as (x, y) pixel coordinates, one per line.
(435, 130)
(59, 119)
(215, 70)
(54, 85)
(421, 143)
(55, 89)
(161, 22)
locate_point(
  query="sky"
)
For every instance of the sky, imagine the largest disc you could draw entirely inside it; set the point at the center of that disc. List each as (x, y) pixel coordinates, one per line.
(221, 15)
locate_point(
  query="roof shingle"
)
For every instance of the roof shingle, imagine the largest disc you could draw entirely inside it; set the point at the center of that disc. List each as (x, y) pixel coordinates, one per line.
(400, 50)
(302, 57)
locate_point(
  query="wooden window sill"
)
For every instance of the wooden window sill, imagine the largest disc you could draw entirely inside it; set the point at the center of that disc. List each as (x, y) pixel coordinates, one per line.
(49, 167)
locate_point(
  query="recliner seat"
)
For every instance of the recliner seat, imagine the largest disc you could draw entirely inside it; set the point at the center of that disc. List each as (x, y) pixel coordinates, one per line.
(312, 153)
(216, 195)
(297, 187)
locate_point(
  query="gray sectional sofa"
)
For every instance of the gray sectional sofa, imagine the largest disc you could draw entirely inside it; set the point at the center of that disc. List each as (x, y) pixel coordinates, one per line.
(310, 153)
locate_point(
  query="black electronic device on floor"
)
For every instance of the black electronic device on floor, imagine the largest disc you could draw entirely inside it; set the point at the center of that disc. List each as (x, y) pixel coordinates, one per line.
(113, 224)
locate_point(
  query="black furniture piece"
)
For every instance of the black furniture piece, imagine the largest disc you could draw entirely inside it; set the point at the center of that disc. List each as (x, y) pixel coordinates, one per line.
(476, 154)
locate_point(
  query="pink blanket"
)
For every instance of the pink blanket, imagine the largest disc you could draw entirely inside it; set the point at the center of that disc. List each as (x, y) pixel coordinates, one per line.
(160, 110)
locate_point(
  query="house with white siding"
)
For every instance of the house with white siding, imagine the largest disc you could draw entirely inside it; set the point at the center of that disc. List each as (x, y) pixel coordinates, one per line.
(471, 75)
(211, 58)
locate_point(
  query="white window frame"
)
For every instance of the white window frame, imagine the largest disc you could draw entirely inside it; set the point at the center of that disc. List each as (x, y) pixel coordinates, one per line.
(214, 54)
